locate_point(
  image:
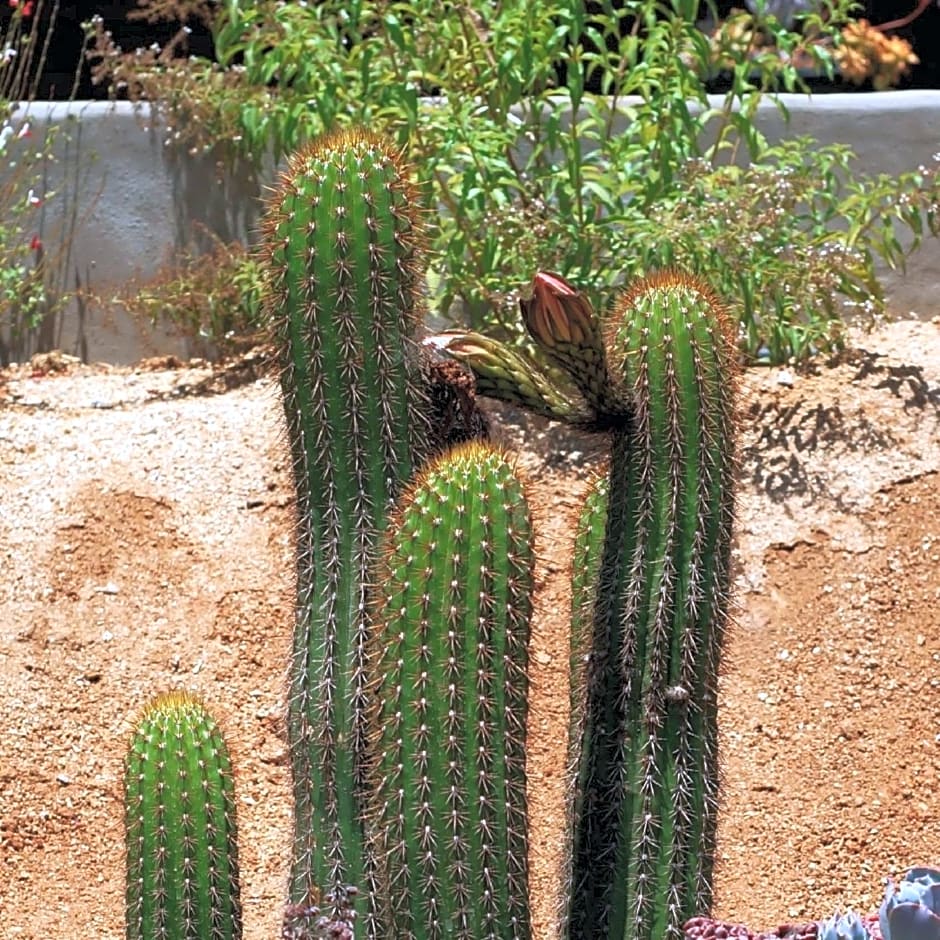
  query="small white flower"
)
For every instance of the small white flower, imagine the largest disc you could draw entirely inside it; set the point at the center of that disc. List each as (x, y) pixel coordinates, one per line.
(5, 134)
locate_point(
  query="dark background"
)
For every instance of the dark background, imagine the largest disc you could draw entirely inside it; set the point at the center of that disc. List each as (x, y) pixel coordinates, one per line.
(58, 76)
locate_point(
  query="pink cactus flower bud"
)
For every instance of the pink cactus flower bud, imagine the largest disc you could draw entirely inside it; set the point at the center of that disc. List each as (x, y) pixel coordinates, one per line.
(557, 311)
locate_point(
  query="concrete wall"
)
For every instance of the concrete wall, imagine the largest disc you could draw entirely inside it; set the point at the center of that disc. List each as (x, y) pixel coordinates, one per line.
(131, 201)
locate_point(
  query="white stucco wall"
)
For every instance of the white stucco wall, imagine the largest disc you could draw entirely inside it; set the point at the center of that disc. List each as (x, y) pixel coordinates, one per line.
(137, 200)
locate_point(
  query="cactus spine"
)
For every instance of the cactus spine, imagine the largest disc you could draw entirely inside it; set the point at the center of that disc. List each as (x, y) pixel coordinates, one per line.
(450, 673)
(644, 733)
(182, 860)
(343, 242)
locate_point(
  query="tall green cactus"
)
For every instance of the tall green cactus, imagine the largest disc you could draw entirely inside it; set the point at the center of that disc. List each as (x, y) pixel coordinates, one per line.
(658, 532)
(449, 728)
(343, 239)
(182, 859)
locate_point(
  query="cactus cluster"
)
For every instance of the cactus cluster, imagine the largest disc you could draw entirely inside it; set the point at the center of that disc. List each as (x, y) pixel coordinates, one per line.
(408, 679)
(408, 690)
(650, 589)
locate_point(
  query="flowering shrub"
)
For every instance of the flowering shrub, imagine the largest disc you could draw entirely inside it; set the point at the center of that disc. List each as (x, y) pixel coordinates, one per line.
(24, 299)
(25, 9)
(860, 52)
(867, 53)
(526, 170)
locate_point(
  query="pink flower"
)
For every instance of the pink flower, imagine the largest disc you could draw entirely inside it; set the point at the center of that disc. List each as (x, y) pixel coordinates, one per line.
(26, 9)
(557, 313)
(24, 131)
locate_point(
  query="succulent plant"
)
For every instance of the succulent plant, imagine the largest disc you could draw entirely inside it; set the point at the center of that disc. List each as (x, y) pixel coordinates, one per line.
(450, 691)
(511, 375)
(182, 854)
(646, 652)
(847, 926)
(343, 244)
(911, 908)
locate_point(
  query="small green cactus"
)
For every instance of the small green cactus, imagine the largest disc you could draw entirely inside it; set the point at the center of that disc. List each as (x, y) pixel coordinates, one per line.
(450, 684)
(343, 240)
(182, 858)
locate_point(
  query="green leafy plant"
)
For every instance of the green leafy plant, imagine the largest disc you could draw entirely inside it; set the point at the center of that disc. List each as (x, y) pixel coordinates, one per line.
(25, 296)
(559, 136)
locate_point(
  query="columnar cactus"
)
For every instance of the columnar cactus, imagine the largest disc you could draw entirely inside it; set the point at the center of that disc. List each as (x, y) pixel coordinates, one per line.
(343, 244)
(644, 735)
(450, 674)
(182, 859)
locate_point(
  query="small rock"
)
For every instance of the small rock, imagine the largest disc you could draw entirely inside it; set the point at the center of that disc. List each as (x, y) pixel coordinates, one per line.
(63, 779)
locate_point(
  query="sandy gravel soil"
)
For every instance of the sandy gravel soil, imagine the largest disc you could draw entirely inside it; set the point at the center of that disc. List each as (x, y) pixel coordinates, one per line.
(145, 544)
